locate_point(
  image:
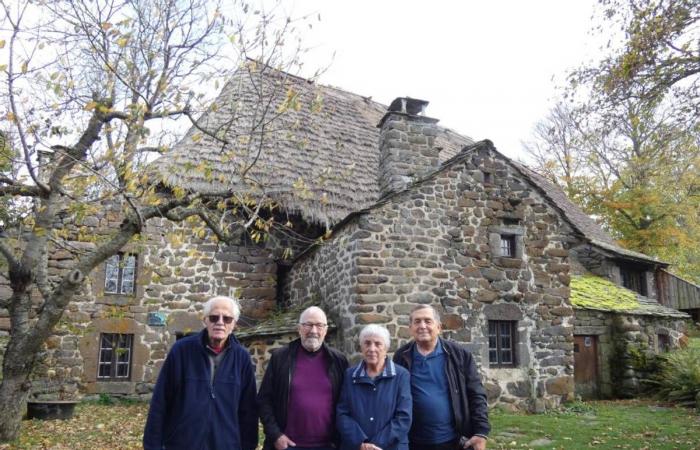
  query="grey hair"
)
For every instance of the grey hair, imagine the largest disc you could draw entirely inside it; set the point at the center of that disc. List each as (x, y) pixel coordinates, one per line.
(376, 330)
(233, 305)
(310, 309)
(436, 314)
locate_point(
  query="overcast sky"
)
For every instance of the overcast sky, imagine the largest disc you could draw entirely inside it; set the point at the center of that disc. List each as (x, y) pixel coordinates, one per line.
(488, 68)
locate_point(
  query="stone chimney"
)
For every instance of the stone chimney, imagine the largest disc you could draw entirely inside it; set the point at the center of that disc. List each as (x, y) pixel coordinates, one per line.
(406, 148)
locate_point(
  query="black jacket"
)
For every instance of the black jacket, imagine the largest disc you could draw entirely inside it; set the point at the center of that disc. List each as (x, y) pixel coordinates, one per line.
(467, 394)
(273, 397)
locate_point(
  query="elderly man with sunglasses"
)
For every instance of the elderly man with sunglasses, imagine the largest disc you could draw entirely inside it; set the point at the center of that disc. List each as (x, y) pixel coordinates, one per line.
(300, 389)
(205, 394)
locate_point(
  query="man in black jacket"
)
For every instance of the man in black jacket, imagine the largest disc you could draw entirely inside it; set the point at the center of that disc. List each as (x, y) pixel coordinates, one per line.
(300, 389)
(449, 402)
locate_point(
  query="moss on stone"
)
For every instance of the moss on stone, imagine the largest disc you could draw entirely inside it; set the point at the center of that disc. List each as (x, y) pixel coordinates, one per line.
(590, 291)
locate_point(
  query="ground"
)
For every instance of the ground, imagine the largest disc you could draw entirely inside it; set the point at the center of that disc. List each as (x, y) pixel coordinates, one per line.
(601, 425)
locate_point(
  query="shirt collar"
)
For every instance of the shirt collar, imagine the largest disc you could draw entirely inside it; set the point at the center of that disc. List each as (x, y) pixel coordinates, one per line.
(361, 370)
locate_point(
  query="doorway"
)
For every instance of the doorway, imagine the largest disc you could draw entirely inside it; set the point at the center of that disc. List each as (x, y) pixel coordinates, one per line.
(586, 366)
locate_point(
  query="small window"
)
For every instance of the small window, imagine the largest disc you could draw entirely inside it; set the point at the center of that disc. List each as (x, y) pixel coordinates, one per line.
(634, 279)
(120, 274)
(508, 245)
(502, 343)
(664, 343)
(115, 357)
(488, 178)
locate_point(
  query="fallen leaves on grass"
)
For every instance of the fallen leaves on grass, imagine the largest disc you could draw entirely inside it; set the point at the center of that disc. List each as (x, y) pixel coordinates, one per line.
(93, 427)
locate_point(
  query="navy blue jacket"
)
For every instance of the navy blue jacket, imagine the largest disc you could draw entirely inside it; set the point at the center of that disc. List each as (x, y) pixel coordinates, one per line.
(467, 394)
(377, 411)
(188, 411)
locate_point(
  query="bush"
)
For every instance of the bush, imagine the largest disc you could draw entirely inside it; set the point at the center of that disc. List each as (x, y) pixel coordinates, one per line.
(678, 381)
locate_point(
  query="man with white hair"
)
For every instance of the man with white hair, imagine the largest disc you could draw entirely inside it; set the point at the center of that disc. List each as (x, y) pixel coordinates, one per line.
(300, 389)
(205, 394)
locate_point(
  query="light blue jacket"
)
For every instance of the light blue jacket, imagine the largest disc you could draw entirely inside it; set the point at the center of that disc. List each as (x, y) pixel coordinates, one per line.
(376, 410)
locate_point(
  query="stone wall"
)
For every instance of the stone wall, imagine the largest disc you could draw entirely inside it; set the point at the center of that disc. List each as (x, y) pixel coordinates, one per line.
(433, 244)
(622, 340)
(178, 268)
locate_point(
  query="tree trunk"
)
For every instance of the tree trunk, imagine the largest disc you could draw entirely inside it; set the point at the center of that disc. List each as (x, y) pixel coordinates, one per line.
(14, 392)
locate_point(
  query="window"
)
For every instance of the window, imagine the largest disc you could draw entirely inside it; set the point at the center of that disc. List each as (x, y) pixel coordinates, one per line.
(115, 356)
(508, 245)
(634, 279)
(488, 178)
(502, 343)
(120, 274)
(664, 343)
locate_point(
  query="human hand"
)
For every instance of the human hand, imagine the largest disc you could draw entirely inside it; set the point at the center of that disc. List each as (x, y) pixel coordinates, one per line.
(369, 446)
(476, 443)
(283, 442)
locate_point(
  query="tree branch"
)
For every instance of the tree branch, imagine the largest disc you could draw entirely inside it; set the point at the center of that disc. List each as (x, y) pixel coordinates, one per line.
(8, 254)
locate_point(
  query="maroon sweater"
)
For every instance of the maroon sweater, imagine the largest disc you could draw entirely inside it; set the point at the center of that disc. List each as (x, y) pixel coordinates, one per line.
(311, 416)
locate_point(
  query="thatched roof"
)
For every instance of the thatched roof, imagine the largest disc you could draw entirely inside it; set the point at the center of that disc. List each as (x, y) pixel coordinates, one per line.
(320, 152)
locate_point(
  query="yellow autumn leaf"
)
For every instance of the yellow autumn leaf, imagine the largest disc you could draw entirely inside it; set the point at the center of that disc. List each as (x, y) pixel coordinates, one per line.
(106, 25)
(10, 116)
(90, 106)
(24, 67)
(3, 67)
(2, 43)
(121, 42)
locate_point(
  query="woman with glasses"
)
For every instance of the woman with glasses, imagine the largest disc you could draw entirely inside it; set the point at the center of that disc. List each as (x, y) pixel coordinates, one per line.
(374, 411)
(205, 394)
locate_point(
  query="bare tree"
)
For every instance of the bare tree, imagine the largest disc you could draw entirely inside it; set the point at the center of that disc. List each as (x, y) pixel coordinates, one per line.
(87, 90)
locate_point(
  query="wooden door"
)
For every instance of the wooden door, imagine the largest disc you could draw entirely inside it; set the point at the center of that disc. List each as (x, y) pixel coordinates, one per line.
(586, 366)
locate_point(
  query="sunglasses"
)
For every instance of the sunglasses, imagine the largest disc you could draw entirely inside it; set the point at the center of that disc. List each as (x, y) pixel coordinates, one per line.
(215, 319)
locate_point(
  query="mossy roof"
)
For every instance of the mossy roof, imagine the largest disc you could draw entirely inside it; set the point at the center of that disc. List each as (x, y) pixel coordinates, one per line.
(594, 292)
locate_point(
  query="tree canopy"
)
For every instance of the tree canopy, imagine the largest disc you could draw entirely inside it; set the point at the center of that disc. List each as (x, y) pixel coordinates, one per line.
(624, 142)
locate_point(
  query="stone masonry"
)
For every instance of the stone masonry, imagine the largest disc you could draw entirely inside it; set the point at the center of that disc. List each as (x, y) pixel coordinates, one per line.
(433, 244)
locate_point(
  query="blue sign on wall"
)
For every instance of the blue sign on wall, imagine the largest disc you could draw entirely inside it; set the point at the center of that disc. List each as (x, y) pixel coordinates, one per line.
(156, 319)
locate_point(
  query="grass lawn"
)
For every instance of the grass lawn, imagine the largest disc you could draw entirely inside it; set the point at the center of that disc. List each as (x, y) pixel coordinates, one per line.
(599, 425)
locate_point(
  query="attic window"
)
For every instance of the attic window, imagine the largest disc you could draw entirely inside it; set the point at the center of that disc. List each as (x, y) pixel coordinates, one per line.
(488, 178)
(634, 279)
(508, 245)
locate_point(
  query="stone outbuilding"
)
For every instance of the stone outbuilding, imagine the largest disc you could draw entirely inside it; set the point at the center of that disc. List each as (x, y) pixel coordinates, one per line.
(384, 210)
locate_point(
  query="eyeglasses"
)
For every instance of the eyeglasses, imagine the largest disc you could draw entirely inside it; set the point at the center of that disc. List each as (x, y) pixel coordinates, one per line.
(215, 319)
(309, 325)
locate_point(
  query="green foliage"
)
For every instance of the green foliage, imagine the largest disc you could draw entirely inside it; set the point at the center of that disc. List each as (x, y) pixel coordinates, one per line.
(678, 381)
(623, 143)
(105, 399)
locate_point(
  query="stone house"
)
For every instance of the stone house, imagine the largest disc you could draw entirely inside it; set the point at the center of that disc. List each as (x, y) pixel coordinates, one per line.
(409, 213)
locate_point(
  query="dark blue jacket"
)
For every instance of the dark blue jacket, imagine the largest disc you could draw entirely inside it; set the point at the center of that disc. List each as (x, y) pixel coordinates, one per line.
(188, 411)
(467, 394)
(377, 411)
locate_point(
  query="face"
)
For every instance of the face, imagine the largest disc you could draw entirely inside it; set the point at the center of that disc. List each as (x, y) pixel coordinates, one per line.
(373, 350)
(424, 328)
(312, 329)
(219, 330)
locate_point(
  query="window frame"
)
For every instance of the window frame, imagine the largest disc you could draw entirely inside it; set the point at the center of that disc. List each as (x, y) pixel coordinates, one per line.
(121, 268)
(512, 328)
(510, 247)
(663, 343)
(634, 279)
(114, 363)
